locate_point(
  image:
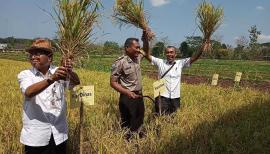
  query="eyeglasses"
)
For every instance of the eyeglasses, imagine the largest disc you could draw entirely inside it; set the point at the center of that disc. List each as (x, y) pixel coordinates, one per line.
(39, 53)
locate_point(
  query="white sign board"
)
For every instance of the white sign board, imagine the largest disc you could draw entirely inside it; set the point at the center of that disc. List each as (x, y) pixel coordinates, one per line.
(159, 87)
(214, 80)
(83, 94)
(238, 76)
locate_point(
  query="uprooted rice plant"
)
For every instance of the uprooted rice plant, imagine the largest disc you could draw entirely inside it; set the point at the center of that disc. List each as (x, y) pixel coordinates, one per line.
(131, 12)
(209, 19)
(75, 20)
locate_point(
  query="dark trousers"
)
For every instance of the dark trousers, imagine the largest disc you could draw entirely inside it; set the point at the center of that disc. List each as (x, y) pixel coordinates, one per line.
(132, 112)
(167, 105)
(51, 148)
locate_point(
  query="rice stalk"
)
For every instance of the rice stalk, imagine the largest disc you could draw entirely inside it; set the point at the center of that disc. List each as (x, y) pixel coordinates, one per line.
(131, 12)
(75, 20)
(209, 19)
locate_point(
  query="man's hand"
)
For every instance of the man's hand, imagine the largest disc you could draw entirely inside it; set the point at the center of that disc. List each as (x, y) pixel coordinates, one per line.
(147, 35)
(132, 95)
(206, 45)
(68, 64)
(59, 74)
(144, 36)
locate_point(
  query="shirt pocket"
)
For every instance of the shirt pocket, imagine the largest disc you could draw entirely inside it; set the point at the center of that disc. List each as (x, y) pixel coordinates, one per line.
(129, 73)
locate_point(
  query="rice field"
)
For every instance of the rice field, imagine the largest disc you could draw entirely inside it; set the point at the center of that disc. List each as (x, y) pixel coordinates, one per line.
(256, 71)
(211, 119)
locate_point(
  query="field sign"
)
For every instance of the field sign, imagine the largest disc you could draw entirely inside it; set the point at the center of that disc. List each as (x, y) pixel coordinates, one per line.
(238, 76)
(159, 87)
(82, 93)
(214, 80)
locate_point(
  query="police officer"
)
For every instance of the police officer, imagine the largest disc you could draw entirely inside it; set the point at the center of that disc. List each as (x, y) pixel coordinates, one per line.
(126, 79)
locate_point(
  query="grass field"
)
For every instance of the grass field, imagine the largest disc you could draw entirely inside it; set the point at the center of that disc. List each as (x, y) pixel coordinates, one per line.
(252, 70)
(211, 119)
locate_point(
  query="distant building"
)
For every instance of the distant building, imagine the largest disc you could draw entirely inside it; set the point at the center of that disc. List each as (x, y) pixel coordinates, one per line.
(3, 46)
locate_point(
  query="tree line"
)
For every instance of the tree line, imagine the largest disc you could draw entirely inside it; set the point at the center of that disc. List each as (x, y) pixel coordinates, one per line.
(246, 49)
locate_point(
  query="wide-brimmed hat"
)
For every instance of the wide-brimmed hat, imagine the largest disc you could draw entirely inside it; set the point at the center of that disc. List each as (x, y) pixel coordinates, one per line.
(40, 44)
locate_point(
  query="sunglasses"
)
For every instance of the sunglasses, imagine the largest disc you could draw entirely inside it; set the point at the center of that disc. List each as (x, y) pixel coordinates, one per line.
(39, 53)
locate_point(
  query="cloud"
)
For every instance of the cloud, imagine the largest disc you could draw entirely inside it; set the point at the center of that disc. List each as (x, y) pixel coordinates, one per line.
(157, 3)
(259, 8)
(263, 38)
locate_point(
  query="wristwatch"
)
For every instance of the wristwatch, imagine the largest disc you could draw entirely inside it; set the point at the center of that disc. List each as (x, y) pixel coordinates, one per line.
(50, 81)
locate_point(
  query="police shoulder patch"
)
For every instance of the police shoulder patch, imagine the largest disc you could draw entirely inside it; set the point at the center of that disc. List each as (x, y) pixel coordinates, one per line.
(119, 58)
(114, 65)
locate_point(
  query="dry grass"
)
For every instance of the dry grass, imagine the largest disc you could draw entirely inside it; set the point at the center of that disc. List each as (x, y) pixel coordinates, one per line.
(211, 119)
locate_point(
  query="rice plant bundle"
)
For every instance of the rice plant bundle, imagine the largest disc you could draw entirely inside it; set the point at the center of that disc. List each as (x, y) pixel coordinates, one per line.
(131, 12)
(75, 20)
(209, 19)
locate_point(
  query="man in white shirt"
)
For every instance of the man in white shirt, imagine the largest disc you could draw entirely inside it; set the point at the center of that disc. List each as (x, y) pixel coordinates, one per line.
(44, 110)
(170, 100)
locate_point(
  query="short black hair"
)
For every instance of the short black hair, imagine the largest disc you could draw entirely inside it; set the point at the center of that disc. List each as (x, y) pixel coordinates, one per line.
(129, 41)
(170, 46)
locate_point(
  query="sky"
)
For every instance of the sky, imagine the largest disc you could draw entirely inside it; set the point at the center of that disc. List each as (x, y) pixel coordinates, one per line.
(171, 20)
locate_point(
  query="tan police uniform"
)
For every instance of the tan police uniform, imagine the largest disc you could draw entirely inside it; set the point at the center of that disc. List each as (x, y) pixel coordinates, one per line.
(127, 73)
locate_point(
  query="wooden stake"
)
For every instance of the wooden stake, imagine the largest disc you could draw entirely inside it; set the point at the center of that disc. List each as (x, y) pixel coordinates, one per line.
(159, 104)
(81, 126)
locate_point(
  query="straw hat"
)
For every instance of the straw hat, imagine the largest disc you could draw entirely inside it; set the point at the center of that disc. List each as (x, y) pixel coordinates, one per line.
(40, 44)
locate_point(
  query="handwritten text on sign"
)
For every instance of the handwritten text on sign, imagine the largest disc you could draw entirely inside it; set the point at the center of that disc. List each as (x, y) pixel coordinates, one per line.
(159, 87)
(83, 94)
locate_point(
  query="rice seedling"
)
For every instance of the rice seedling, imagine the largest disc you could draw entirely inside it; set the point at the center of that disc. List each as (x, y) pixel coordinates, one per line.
(209, 19)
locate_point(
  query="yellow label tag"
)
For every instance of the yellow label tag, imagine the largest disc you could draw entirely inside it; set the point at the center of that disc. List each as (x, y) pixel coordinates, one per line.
(238, 76)
(159, 87)
(83, 94)
(214, 80)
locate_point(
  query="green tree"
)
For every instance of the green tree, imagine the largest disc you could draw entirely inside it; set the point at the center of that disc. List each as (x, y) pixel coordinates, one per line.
(158, 49)
(11, 42)
(215, 52)
(194, 43)
(184, 49)
(224, 46)
(111, 47)
(253, 37)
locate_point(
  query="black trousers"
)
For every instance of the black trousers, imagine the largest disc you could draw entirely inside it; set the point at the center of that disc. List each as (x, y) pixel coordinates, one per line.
(167, 105)
(132, 112)
(51, 148)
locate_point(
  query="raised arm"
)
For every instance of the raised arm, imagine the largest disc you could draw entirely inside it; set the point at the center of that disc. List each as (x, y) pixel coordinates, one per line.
(146, 50)
(199, 53)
